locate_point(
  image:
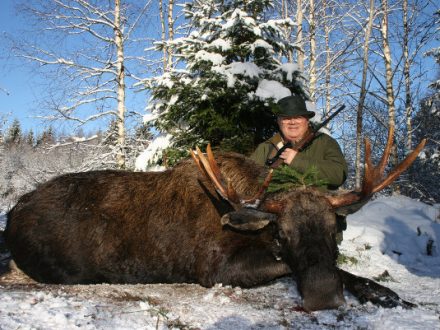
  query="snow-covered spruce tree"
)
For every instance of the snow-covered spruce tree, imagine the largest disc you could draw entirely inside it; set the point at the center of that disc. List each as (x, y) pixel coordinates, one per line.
(230, 69)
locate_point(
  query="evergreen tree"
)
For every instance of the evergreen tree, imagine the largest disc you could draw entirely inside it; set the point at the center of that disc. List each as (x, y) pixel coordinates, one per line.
(111, 135)
(30, 139)
(425, 173)
(47, 137)
(142, 132)
(234, 71)
(14, 134)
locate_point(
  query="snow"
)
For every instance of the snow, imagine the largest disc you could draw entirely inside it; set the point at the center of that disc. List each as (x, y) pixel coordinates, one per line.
(247, 69)
(83, 138)
(214, 58)
(242, 17)
(289, 68)
(233, 71)
(275, 24)
(173, 99)
(388, 234)
(224, 45)
(271, 89)
(152, 154)
(260, 43)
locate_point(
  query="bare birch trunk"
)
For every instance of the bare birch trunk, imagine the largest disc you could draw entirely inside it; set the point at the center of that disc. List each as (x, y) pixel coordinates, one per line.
(312, 27)
(163, 36)
(287, 31)
(363, 94)
(120, 80)
(327, 60)
(389, 79)
(388, 69)
(170, 29)
(299, 35)
(406, 73)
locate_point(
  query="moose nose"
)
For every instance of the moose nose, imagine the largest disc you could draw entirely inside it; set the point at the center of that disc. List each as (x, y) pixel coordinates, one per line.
(321, 289)
(323, 301)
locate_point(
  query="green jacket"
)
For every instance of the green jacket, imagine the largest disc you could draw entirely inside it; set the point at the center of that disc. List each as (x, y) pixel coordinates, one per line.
(323, 152)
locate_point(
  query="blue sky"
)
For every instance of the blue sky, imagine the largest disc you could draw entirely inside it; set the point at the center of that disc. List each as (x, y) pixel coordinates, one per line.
(24, 87)
(22, 91)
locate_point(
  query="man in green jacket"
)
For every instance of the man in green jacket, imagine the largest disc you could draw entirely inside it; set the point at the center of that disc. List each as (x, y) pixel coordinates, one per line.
(323, 152)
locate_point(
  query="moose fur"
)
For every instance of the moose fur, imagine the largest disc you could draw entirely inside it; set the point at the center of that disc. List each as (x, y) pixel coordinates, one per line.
(173, 227)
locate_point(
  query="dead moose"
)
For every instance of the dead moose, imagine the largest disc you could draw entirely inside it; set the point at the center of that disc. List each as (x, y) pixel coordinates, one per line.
(189, 225)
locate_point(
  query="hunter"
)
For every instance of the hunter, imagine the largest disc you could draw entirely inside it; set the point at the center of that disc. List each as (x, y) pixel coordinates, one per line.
(322, 152)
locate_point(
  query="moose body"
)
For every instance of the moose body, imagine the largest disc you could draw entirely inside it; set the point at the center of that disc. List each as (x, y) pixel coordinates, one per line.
(175, 227)
(124, 227)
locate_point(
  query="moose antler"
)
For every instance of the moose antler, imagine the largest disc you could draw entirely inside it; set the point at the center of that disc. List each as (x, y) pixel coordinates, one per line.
(209, 167)
(373, 180)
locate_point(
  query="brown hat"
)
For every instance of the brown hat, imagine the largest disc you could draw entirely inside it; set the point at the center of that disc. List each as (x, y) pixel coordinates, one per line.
(290, 106)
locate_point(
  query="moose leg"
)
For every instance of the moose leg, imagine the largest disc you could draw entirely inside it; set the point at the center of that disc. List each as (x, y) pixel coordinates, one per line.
(365, 290)
(248, 267)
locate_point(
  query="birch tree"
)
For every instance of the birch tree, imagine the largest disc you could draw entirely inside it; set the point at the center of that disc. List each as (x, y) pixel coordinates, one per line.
(299, 35)
(406, 73)
(390, 97)
(287, 30)
(312, 38)
(363, 93)
(396, 80)
(82, 51)
(167, 32)
(327, 59)
(418, 28)
(163, 35)
(332, 52)
(120, 84)
(170, 28)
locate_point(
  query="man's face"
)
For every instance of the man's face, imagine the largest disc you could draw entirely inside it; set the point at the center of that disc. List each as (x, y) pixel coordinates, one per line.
(293, 128)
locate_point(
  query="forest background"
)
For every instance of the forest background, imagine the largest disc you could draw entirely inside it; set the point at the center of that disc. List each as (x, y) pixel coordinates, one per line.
(135, 84)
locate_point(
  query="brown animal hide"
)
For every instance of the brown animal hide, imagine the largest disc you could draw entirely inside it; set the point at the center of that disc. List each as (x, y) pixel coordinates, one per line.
(173, 227)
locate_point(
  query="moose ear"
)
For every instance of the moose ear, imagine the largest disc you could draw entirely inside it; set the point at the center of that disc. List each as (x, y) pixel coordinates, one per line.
(247, 219)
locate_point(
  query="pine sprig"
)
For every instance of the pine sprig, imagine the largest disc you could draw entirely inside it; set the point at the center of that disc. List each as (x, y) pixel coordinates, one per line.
(286, 177)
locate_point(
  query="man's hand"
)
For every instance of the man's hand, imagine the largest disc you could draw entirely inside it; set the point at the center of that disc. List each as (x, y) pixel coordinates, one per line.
(288, 155)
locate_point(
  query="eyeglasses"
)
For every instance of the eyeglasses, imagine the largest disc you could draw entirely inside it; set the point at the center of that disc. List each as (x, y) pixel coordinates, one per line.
(293, 118)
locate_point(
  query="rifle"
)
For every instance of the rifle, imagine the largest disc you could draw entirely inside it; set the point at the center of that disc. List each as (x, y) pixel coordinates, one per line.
(277, 161)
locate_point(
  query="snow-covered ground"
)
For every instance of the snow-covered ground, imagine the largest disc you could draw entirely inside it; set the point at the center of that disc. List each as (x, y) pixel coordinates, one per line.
(390, 237)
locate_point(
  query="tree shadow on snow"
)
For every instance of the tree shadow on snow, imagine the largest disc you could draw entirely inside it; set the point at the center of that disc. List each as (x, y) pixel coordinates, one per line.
(415, 248)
